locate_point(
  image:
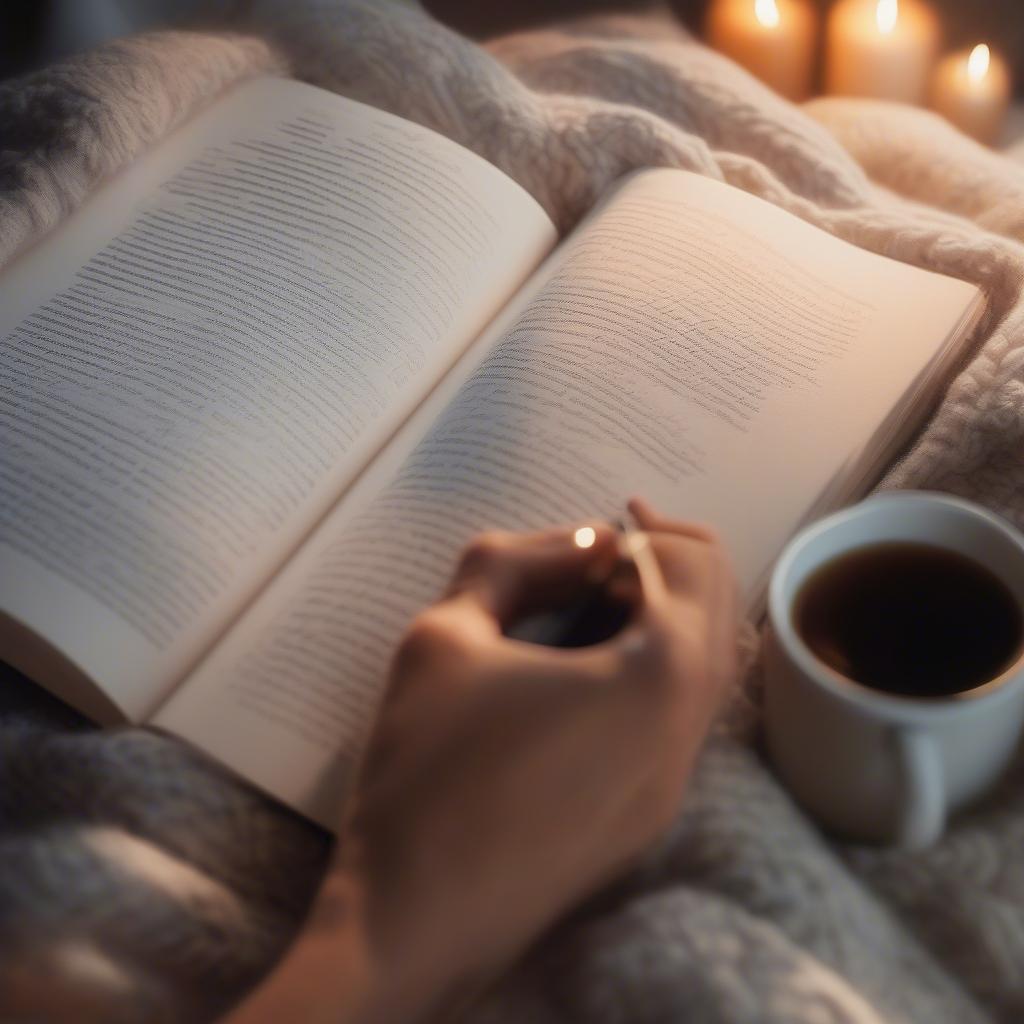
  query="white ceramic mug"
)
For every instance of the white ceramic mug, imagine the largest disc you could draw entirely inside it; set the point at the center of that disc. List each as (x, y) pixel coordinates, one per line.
(870, 765)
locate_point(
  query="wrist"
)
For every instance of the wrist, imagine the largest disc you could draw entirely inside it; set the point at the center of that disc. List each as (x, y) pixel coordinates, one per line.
(407, 966)
(331, 974)
(355, 962)
(387, 940)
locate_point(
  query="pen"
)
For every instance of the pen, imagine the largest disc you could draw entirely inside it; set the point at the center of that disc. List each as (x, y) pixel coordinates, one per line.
(636, 546)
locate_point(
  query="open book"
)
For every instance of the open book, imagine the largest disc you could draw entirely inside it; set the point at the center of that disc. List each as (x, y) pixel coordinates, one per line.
(262, 386)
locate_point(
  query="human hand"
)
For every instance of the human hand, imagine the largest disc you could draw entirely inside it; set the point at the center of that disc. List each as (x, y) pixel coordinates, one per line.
(506, 781)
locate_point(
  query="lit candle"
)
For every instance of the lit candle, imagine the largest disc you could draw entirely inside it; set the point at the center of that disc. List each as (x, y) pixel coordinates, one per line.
(772, 39)
(881, 48)
(972, 89)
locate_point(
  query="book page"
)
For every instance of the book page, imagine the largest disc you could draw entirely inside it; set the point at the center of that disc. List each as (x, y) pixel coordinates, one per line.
(196, 365)
(690, 343)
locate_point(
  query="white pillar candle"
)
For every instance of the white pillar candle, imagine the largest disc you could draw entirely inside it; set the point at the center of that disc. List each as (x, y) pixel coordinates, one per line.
(772, 39)
(884, 49)
(972, 89)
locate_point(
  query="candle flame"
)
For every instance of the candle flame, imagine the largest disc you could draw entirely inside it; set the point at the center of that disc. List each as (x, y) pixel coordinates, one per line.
(767, 12)
(886, 14)
(978, 62)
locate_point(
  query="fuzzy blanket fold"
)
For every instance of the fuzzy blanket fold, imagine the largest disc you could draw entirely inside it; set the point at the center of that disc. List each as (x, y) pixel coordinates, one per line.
(157, 888)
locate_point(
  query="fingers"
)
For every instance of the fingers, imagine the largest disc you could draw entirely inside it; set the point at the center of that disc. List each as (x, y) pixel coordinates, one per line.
(503, 576)
(506, 575)
(690, 556)
(500, 577)
(450, 644)
(703, 602)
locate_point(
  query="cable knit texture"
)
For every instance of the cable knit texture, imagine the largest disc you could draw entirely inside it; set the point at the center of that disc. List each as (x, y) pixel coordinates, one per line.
(137, 873)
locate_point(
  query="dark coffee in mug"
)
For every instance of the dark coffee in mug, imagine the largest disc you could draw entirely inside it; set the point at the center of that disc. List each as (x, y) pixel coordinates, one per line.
(910, 619)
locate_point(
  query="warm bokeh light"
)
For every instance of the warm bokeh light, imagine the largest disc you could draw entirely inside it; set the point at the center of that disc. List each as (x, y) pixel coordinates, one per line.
(886, 15)
(972, 89)
(978, 62)
(585, 537)
(767, 12)
(773, 39)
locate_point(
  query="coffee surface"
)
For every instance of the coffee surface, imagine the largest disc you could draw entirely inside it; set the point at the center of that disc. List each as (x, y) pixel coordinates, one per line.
(910, 619)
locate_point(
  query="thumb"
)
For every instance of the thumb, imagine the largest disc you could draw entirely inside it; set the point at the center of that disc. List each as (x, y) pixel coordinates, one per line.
(508, 575)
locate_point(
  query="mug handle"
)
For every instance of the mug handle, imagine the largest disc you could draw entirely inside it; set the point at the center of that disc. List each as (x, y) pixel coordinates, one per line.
(923, 798)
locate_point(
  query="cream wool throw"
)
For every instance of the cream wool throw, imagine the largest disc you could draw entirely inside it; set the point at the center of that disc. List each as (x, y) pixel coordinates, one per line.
(137, 872)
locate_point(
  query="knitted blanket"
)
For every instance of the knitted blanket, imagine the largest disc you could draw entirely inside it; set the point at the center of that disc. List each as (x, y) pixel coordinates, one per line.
(142, 878)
